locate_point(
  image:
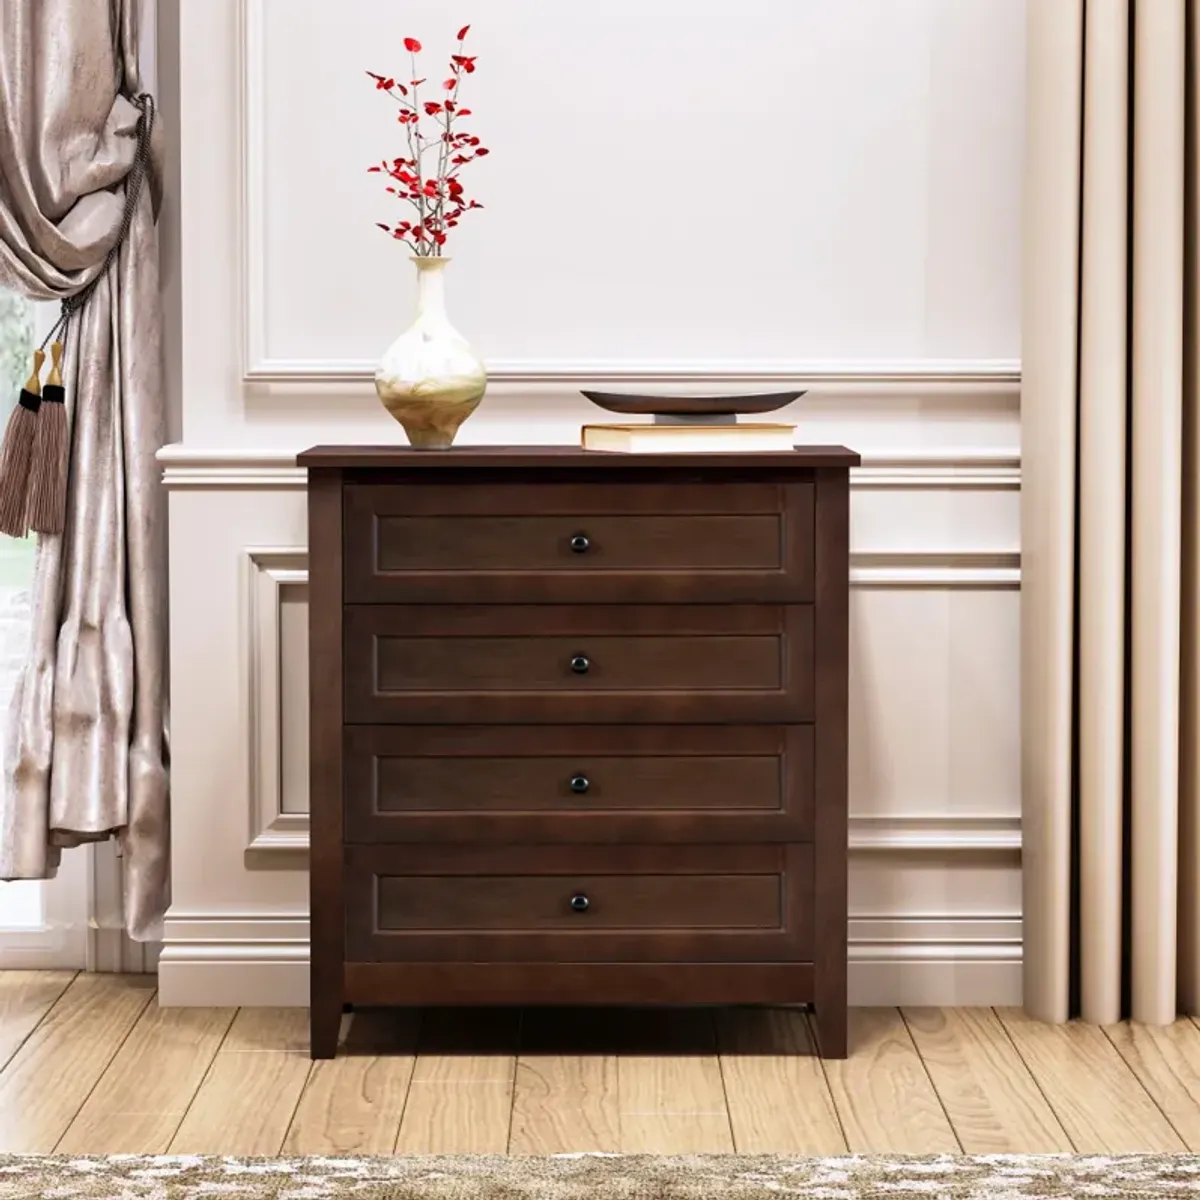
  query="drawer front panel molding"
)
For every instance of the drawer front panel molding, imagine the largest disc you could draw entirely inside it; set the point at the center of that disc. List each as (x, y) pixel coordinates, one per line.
(571, 543)
(615, 783)
(538, 663)
(579, 903)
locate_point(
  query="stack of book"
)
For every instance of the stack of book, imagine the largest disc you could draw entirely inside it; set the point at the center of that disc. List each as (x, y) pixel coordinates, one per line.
(699, 438)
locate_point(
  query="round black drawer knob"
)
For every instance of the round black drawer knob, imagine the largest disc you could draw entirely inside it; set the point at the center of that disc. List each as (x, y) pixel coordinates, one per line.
(579, 904)
(580, 784)
(580, 664)
(580, 543)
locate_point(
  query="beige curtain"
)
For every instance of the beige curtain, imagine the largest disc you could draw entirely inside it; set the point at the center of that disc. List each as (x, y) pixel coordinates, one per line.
(84, 755)
(1111, 511)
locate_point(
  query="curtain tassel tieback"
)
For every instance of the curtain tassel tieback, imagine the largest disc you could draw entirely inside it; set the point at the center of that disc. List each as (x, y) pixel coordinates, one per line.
(16, 455)
(48, 469)
(35, 456)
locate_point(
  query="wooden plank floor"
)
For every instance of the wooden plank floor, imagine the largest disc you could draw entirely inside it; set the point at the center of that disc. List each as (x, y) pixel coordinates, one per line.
(89, 1064)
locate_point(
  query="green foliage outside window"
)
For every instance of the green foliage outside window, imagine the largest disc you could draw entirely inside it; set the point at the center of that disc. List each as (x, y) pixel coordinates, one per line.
(21, 903)
(16, 341)
(16, 347)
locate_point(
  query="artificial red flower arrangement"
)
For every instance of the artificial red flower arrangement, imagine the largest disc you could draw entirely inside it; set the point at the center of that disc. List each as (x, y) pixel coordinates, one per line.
(428, 178)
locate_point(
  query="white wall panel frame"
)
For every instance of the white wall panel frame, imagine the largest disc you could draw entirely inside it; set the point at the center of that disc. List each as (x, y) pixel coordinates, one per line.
(261, 368)
(269, 571)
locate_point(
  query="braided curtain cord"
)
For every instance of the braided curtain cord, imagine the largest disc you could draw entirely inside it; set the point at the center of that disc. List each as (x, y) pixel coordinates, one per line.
(133, 190)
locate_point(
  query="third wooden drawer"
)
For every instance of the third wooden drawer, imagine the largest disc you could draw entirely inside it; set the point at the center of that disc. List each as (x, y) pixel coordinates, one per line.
(617, 783)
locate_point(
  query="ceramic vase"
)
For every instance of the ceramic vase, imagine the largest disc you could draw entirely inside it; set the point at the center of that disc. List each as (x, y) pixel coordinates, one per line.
(429, 378)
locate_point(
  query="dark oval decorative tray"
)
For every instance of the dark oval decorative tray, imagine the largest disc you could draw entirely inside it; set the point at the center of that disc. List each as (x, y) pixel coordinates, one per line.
(708, 406)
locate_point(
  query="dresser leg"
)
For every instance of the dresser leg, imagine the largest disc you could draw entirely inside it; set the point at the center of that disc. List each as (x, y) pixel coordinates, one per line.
(831, 1030)
(324, 1024)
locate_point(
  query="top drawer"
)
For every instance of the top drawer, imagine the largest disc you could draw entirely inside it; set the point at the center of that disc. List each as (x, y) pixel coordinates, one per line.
(607, 543)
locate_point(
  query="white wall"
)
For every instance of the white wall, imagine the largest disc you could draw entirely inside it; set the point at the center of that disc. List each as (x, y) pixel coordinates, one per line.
(688, 193)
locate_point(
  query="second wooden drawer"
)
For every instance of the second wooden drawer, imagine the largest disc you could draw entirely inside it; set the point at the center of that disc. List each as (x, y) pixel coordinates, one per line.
(542, 664)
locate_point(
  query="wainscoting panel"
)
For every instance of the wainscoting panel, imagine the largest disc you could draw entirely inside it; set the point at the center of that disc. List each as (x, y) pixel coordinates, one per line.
(275, 670)
(935, 827)
(933, 706)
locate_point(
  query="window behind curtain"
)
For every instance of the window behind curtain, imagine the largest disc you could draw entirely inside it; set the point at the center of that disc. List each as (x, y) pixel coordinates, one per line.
(21, 904)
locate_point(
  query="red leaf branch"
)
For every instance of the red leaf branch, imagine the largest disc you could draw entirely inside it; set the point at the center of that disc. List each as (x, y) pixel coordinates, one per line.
(430, 187)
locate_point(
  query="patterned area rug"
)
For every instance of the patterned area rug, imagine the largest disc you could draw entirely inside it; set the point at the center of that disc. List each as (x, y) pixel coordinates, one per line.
(600, 1177)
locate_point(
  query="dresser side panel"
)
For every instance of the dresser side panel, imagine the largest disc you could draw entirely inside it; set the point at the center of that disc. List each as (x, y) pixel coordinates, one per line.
(326, 920)
(832, 536)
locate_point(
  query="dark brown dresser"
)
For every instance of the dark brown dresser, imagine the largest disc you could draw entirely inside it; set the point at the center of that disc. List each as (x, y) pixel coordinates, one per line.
(578, 729)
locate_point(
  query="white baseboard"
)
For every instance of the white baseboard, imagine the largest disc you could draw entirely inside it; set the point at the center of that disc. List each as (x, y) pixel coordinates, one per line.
(213, 959)
(932, 982)
(225, 959)
(935, 960)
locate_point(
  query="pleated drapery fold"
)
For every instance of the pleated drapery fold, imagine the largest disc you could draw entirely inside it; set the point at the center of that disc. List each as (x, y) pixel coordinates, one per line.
(85, 747)
(1110, 511)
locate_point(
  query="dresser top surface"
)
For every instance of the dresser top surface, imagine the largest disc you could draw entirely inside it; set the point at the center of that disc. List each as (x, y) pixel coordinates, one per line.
(573, 457)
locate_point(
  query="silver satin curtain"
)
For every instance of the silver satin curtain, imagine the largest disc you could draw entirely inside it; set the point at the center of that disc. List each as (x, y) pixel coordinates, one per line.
(1111, 510)
(85, 745)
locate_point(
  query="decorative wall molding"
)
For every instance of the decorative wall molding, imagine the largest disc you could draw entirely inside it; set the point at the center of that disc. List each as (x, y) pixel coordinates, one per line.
(845, 375)
(262, 959)
(185, 467)
(251, 180)
(935, 834)
(972, 470)
(929, 569)
(219, 959)
(941, 960)
(258, 367)
(936, 569)
(269, 477)
(268, 572)
(285, 936)
(925, 937)
(898, 834)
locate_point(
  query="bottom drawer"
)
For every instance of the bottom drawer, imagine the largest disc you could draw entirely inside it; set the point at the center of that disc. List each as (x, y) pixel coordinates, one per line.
(572, 903)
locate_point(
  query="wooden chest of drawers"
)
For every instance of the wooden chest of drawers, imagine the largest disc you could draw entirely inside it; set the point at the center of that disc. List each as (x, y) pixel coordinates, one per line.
(578, 729)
